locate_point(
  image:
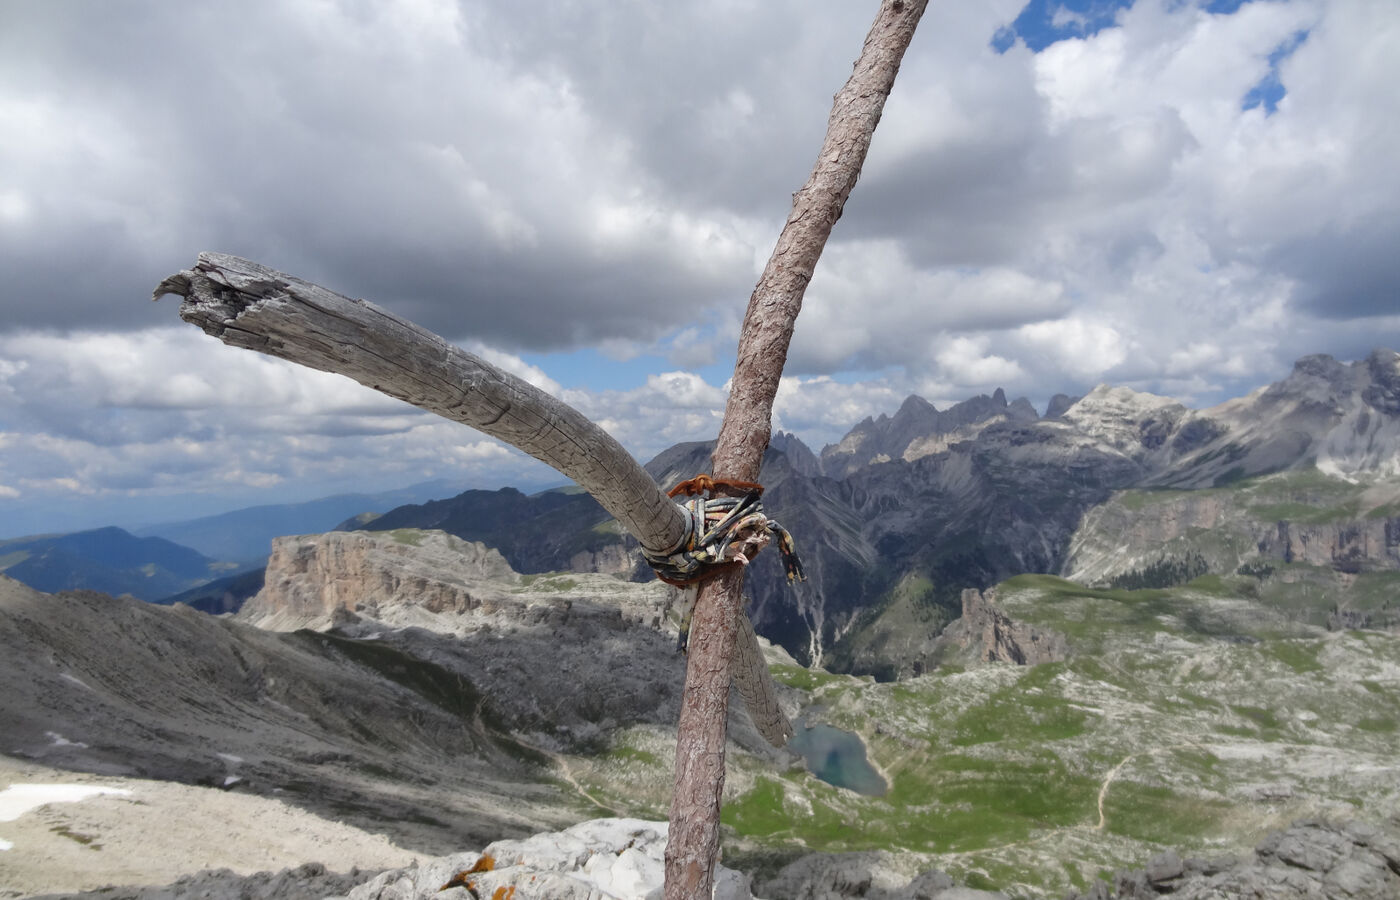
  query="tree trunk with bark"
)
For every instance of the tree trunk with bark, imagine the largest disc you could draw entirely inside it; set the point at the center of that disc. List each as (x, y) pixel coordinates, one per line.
(693, 844)
(248, 305)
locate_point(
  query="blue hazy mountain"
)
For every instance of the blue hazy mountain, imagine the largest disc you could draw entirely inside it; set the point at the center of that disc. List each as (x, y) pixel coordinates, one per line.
(245, 535)
(109, 560)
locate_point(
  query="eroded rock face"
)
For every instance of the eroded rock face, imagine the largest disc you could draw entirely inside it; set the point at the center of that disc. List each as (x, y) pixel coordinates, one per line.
(310, 577)
(1383, 393)
(561, 658)
(1311, 860)
(1355, 546)
(973, 494)
(594, 860)
(399, 578)
(872, 875)
(985, 633)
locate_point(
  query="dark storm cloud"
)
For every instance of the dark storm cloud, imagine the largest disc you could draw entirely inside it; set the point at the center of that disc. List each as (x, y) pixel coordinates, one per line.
(1351, 274)
(460, 190)
(726, 103)
(606, 178)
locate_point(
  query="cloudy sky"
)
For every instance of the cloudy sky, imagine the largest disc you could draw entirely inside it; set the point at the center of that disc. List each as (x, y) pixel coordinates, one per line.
(1178, 195)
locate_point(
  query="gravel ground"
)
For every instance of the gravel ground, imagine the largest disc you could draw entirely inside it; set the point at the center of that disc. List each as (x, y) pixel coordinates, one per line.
(161, 831)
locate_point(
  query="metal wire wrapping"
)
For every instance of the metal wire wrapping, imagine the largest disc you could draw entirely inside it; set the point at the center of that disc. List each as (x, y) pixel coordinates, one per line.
(720, 531)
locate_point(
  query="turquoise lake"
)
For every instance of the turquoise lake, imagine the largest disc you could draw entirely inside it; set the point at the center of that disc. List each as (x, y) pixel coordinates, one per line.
(838, 757)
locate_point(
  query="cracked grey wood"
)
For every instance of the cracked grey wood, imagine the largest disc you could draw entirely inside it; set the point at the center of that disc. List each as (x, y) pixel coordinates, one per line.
(248, 305)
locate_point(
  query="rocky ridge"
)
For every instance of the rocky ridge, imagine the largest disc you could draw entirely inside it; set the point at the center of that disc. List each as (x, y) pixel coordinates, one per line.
(968, 496)
(919, 429)
(1310, 860)
(430, 579)
(1187, 716)
(984, 633)
(396, 679)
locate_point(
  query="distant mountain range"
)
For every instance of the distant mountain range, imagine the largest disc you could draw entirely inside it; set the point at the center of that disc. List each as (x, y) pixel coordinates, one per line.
(212, 563)
(908, 510)
(245, 535)
(107, 559)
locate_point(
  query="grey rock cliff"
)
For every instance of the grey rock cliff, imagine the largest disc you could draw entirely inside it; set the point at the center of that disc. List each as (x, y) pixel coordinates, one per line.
(918, 429)
(870, 875)
(564, 658)
(430, 579)
(1310, 860)
(968, 496)
(986, 634)
(1353, 546)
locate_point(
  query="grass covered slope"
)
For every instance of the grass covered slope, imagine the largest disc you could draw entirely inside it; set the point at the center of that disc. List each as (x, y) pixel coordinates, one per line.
(1194, 717)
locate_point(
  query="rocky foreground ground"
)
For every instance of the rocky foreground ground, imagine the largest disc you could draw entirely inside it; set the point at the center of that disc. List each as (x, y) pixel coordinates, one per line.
(154, 832)
(147, 840)
(433, 710)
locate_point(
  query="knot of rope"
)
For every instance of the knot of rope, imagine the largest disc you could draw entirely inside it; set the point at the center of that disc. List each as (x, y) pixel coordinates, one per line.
(721, 530)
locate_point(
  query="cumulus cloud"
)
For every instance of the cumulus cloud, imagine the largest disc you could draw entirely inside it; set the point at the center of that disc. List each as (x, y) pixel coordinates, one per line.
(820, 409)
(1147, 192)
(170, 410)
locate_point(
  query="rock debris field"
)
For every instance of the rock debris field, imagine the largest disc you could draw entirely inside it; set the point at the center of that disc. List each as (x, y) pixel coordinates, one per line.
(65, 832)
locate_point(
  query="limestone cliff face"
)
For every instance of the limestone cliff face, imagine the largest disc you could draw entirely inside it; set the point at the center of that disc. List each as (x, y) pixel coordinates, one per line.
(614, 559)
(986, 634)
(1283, 518)
(1354, 546)
(425, 578)
(561, 659)
(313, 578)
(1126, 534)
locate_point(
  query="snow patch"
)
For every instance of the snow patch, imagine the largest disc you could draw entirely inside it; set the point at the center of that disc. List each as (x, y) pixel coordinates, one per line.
(5, 845)
(18, 799)
(75, 679)
(61, 741)
(229, 758)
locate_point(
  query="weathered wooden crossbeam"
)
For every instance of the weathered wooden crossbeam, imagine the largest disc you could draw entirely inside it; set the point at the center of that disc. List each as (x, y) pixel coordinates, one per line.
(248, 305)
(234, 300)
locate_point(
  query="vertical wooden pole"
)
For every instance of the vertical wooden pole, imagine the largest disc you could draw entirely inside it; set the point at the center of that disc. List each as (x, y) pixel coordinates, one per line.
(693, 844)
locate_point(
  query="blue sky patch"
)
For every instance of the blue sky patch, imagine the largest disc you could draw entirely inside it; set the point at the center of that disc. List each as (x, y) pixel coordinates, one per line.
(1270, 90)
(1043, 22)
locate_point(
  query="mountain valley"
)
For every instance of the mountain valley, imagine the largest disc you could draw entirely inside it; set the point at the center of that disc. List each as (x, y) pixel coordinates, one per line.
(432, 710)
(906, 511)
(1066, 644)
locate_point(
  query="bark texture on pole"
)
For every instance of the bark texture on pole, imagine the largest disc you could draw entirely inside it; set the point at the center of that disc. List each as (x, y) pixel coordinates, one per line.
(693, 843)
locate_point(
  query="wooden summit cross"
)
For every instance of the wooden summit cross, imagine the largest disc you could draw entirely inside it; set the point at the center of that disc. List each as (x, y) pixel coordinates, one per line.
(248, 305)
